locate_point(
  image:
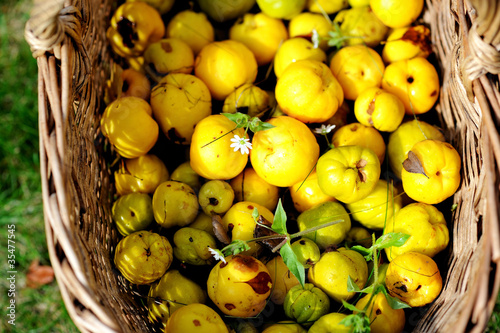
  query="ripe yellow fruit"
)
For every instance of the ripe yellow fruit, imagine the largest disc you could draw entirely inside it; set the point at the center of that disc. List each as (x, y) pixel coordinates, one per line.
(239, 287)
(224, 66)
(293, 50)
(330, 323)
(380, 109)
(174, 204)
(172, 292)
(248, 99)
(193, 28)
(303, 25)
(249, 186)
(143, 257)
(403, 139)
(240, 224)
(378, 209)
(328, 6)
(414, 278)
(426, 226)
(261, 33)
(333, 269)
(406, 43)
(415, 82)
(356, 134)
(196, 318)
(308, 91)
(216, 159)
(396, 13)
(434, 172)
(142, 174)
(179, 102)
(383, 318)
(362, 23)
(307, 193)
(357, 68)
(284, 154)
(170, 55)
(348, 173)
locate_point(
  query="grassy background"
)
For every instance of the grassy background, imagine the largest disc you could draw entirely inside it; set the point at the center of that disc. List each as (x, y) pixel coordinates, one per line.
(38, 310)
(42, 309)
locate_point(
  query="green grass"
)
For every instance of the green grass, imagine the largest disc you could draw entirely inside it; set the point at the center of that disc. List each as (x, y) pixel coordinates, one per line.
(42, 309)
(38, 310)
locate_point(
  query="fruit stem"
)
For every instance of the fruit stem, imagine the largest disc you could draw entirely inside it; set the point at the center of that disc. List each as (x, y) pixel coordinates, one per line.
(305, 232)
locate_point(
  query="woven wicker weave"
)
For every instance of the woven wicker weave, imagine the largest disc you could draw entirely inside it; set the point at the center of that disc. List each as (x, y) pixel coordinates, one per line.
(68, 41)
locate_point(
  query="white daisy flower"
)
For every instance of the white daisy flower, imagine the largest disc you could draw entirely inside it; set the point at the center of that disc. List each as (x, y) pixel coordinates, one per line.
(324, 129)
(241, 144)
(217, 254)
(315, 38)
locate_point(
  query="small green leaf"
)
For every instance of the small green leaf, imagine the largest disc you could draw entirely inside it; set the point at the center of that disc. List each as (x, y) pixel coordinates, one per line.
(235, 247)
(367, 253)
(240, 119)
(352, 286)
(279, 222)
(358, 322)
(349, 320)
(255, 214)
(454, 207)
(350, 306)
(395, 239)
(256, 125)
(293, 264)
(395, 302)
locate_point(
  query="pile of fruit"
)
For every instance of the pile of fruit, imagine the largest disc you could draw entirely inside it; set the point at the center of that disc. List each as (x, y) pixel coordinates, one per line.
(278, 165)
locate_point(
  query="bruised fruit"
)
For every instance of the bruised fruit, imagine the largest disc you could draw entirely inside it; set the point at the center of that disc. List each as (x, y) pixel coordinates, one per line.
(240, 286)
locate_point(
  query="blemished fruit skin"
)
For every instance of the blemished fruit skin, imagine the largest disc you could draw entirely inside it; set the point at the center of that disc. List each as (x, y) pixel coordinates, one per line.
(240, 286)
(441, 164)
(196, 318)
(383, 318)
(414, 278)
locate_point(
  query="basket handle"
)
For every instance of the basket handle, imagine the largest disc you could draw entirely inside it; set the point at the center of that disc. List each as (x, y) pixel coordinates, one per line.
(49, 23)
(483, 40)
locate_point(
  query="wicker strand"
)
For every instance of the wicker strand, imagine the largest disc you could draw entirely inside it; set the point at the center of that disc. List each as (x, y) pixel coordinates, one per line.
(483, 42)
(50, 22)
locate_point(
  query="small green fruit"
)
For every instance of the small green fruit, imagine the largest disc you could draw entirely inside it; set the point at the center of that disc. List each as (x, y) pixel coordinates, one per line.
(306, 304)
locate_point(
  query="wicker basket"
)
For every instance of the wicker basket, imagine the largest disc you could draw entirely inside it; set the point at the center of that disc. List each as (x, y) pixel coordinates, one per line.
(68, 41)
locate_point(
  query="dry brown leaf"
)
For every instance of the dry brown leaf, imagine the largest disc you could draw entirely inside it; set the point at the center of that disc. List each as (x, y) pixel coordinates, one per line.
(219, 230)
(39, 275)
(261, 231)
(413, 165)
